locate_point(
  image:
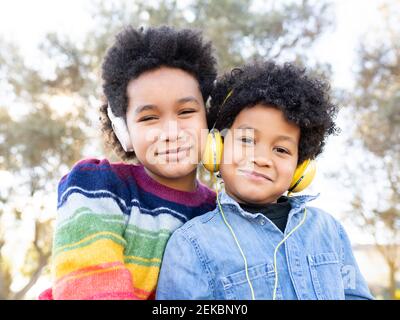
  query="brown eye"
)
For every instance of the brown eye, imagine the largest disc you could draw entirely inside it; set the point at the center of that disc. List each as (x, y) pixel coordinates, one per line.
(282, 150)
(246, 140)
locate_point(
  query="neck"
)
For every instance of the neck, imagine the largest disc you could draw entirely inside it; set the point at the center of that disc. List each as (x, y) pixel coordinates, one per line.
(239, 200)
(187, 183)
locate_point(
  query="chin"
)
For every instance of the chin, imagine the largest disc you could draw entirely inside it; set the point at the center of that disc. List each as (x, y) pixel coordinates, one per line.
(255, 195)
(176, 170)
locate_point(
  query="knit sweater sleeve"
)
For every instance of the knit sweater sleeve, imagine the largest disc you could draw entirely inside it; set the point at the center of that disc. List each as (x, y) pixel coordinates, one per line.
(88, 245)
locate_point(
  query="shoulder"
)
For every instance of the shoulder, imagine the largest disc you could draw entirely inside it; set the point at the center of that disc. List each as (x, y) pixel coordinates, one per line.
(194, 229)
(209, 194)
(324, 220)
(92, 173)
(192, 235)
(102, 169)
(207, 218)
(321, 215)
(97, 177)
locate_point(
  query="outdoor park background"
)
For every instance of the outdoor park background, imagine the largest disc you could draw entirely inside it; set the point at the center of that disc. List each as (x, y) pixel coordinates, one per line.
(50, 91)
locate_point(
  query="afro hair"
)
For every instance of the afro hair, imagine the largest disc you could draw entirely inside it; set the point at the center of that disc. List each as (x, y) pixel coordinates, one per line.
(137, 51)
(304, 100)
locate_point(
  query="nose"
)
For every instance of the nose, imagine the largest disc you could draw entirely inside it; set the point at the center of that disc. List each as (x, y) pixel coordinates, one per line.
(262, 157)
(170, 131)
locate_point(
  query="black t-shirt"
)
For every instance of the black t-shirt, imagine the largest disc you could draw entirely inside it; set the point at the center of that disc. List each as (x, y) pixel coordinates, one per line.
(277, 212)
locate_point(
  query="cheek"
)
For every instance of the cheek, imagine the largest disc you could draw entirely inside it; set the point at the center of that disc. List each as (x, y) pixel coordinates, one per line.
(239, 155)
(228, 164)
(227, 173)
(286, 171)
(197, 128)
(143, 141)
(194, 133)
(230, 156)
(196, 123)
(226, 153)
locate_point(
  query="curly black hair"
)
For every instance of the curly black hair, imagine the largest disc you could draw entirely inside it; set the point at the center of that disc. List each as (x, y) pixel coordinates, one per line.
(304, 100)
(137, 51)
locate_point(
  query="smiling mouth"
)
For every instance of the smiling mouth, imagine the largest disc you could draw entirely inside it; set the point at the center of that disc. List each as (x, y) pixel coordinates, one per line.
(173, 151)
(256, 174)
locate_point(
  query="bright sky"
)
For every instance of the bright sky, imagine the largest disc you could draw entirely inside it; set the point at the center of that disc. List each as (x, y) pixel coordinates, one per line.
(26, 22)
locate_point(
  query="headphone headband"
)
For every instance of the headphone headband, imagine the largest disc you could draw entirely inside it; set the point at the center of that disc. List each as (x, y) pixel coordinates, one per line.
(220, 108)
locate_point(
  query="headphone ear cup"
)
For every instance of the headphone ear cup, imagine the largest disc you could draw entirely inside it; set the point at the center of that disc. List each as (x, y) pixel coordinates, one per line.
(212, 154)
(303, 176)
(121, 130)
(122, 133)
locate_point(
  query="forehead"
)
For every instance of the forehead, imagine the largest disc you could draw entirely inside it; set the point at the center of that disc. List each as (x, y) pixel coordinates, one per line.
(162, 82)
(266, 120)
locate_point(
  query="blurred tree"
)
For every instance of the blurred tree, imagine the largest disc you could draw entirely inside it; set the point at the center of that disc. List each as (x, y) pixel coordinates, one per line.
(239, 29)
(36, 146)
(53, 105)
(5, 272)
(377, 114)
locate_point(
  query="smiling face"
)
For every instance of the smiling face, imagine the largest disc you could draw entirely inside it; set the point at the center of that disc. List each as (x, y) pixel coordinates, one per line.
(166, 120)
(260, 155)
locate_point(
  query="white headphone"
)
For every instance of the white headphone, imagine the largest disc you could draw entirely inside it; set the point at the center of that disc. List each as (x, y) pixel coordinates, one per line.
(120, 129)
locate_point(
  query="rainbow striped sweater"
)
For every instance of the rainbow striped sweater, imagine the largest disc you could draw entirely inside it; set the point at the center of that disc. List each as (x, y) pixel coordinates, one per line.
(113, 223)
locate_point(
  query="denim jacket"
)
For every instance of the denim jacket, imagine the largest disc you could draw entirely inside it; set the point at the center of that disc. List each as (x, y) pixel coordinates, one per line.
(202, 260)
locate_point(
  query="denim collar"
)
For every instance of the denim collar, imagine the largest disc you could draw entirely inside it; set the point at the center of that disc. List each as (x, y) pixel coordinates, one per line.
(297, 203)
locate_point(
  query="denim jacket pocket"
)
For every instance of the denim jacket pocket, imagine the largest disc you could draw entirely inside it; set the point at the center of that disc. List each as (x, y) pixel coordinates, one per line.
(236, 286)
(326, 276)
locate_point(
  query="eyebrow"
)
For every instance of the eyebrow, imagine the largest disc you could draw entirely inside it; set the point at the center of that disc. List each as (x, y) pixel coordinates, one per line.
(281, 137)
(245, 126)
(187, 99)
(286, 138)
(147, 107)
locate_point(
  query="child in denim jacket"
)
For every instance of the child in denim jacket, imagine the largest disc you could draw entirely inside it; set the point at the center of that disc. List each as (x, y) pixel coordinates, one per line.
(259, 243)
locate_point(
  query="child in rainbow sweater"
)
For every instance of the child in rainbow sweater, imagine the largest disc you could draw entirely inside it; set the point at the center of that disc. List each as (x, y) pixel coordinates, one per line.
(114, 219)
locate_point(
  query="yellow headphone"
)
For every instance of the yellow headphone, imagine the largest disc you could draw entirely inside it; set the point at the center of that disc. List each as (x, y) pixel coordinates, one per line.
(212, 156)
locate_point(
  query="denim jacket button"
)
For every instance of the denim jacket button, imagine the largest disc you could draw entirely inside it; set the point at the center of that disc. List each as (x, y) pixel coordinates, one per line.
(262, 221)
